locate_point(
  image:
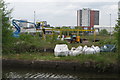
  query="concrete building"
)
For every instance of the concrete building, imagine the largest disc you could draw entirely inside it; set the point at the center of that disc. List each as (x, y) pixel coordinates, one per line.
(92, 18)
(119, 9)
(96, 17)
(87, 17)
(79, 17)
(101, 27)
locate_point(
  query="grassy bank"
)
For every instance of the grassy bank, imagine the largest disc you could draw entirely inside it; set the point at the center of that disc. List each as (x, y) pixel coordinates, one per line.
(106, 58)
(30, 47)
(29, 43)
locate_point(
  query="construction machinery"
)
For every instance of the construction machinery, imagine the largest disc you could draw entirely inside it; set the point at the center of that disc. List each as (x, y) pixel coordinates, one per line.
(18, 29)
(41, 27)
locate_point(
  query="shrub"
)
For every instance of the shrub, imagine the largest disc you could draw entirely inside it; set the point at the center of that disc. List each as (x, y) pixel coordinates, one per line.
(103, 32)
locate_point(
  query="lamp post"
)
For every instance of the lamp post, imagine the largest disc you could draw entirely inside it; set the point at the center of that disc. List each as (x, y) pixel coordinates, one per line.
(34, 16)
(110, 26)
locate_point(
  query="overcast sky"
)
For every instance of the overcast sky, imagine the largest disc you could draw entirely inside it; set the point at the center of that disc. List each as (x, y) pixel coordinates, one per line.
(62, 12)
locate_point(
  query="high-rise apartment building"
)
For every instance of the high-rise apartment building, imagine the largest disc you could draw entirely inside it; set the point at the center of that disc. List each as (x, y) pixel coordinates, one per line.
(87, 17)
(79, 17)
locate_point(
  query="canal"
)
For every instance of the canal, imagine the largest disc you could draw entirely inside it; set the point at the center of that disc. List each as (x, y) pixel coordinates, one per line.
(48, 74)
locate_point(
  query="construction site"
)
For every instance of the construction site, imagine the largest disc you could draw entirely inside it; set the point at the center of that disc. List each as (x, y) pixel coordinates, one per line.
(84, 35)
(51, 51)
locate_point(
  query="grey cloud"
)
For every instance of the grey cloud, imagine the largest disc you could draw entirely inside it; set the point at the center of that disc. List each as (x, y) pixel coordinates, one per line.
(60, 13)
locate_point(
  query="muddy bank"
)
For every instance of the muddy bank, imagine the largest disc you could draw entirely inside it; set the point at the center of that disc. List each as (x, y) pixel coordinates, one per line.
(46, 50)
(62, 65)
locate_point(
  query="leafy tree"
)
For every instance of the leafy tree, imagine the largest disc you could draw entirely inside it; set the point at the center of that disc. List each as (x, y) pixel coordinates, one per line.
(78, 28)
(6, 32)
(118, 39)
(103, 32)
(64, 27)
(57, 27)
(117, 28)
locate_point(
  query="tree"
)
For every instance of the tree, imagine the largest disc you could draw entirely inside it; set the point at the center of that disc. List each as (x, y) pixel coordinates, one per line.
(118, 38)
(103, 32)
(117, 28)
(78, 28)
(57, 27)
(5, 24)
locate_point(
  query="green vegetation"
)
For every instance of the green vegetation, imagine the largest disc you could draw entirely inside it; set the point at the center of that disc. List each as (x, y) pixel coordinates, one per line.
(30, 43)
(103, 32)
(29, 47)
(117, 34)
(105, 58)
(7, 40)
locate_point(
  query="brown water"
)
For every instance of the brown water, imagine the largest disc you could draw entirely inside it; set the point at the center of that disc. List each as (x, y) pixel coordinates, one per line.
(13, 73)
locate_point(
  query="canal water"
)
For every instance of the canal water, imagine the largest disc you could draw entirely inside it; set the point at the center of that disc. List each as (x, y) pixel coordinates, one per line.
(12, 73)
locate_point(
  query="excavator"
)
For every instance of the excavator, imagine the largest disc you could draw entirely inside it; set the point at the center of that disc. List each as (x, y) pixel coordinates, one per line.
(38, 25)
(18, 29)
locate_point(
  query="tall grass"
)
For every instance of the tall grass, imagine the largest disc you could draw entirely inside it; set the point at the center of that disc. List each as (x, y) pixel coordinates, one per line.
(30, 43)
(34, 43)
(105, 58)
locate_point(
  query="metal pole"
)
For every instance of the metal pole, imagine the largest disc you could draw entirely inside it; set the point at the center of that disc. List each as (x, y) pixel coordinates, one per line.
(110, 26)
(34, 16)
(35, 23)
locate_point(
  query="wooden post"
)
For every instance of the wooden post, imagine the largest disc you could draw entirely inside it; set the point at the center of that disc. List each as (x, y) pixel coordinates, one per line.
(94, 35)
(52, 33)
(67, 33)
(77, 33)
(83, 34)
(60, 34)
(43, 35)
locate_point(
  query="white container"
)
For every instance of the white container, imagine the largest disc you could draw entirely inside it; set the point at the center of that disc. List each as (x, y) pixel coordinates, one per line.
(61, 50)
(76, 51)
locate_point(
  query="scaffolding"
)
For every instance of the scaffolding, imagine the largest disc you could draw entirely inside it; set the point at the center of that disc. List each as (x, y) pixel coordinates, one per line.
(68, 30)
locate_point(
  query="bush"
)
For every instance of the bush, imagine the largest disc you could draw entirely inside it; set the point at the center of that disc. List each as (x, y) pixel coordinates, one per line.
(103, 32)
(29, 43)
(117, 29)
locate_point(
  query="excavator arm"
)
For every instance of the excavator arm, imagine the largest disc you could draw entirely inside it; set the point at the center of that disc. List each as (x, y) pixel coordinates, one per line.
(18, 29)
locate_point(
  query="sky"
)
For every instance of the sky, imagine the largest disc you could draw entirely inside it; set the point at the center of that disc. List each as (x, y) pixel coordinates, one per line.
(63, 12)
